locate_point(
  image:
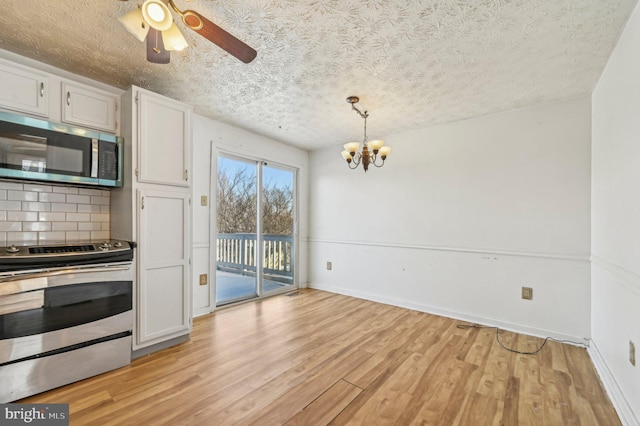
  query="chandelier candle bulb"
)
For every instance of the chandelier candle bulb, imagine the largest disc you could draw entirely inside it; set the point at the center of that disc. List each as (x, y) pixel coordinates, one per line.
(375, 145)
(384, 151)
(352, 147)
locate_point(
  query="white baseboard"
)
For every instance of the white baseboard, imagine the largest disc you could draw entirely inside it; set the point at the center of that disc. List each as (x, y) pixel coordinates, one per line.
(622, 406)
(200, 312)
(532, 331)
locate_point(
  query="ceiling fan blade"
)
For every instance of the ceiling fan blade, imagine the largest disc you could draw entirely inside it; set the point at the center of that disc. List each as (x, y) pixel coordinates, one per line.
(218, 36)
(156, 53)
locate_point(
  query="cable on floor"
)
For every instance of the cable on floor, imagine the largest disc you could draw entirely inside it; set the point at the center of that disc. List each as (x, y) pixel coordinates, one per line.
(466, 326)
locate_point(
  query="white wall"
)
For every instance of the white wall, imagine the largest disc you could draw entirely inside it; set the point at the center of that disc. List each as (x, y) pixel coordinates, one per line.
(462, 216)
(615, 276)
(209, 138)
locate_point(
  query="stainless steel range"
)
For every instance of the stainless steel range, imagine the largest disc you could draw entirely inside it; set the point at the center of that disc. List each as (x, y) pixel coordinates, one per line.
(65, 314)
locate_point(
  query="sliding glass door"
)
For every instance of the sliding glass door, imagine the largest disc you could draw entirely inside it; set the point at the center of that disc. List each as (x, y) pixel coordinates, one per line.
(277, 228)
(255, 222)
(237, 227)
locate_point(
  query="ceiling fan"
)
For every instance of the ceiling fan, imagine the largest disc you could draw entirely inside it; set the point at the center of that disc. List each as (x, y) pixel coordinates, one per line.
(153, 21)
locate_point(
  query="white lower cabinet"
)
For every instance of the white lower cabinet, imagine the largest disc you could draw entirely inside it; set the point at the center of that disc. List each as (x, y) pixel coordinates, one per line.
(163, 266)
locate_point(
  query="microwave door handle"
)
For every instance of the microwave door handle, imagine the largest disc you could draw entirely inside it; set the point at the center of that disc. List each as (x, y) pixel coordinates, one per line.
(94, 158)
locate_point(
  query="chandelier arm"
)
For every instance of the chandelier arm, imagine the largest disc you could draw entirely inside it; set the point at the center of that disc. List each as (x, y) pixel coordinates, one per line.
(363, 115)
(356, 159)
(378, 165)
(374, 159)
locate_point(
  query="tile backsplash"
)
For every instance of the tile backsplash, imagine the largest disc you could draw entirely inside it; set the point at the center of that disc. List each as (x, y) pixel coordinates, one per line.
(41, 212)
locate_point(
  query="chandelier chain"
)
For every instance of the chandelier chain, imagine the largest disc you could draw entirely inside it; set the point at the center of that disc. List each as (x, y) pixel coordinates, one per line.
(365, 129)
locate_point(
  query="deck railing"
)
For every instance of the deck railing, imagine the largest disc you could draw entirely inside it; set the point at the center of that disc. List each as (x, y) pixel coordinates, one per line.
(237, 253)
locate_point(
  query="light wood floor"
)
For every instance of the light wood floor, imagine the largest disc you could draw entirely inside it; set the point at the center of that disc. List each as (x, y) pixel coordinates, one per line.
(320, 358)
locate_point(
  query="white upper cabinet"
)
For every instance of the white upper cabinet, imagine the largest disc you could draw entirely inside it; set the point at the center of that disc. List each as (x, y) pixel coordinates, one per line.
(163, 156)
(37, 93)
(23, 89)
(89, 107)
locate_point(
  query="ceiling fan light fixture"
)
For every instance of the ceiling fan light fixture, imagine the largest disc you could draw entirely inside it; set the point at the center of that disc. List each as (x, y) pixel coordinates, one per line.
(155, 21)
(135, 24)
(173, 38)
(157, 14)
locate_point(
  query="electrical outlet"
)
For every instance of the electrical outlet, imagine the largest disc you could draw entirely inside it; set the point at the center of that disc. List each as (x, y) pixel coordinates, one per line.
(527, 293)
(203, 279)
(632, 353)
(203, 200)
(329, 266)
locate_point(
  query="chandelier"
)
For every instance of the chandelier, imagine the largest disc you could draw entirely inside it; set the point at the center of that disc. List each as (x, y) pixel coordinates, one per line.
(371, 150)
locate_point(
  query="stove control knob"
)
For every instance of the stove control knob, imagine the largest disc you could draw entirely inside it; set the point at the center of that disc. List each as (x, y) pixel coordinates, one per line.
(12, 249)
(117, 244)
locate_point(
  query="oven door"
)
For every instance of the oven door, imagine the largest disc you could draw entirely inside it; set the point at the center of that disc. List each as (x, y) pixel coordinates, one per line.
(47, 311)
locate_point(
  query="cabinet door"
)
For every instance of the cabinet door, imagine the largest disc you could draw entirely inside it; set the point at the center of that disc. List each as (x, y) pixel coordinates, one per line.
(22, 89)
(163, 296)
(89, 107)
(163, 155)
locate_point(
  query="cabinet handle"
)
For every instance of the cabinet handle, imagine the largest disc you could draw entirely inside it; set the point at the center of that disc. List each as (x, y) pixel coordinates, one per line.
(186, 175)
(68, 98)
(142, 208)
(42, 89)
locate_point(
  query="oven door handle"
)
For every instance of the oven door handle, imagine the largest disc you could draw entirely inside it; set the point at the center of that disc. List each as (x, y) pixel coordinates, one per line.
(66, 271)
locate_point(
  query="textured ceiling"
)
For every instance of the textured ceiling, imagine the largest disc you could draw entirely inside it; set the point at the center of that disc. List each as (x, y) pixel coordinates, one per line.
(413, 63)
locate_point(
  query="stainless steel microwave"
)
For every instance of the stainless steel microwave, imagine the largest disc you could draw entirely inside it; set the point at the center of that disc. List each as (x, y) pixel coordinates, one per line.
(35, 149)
